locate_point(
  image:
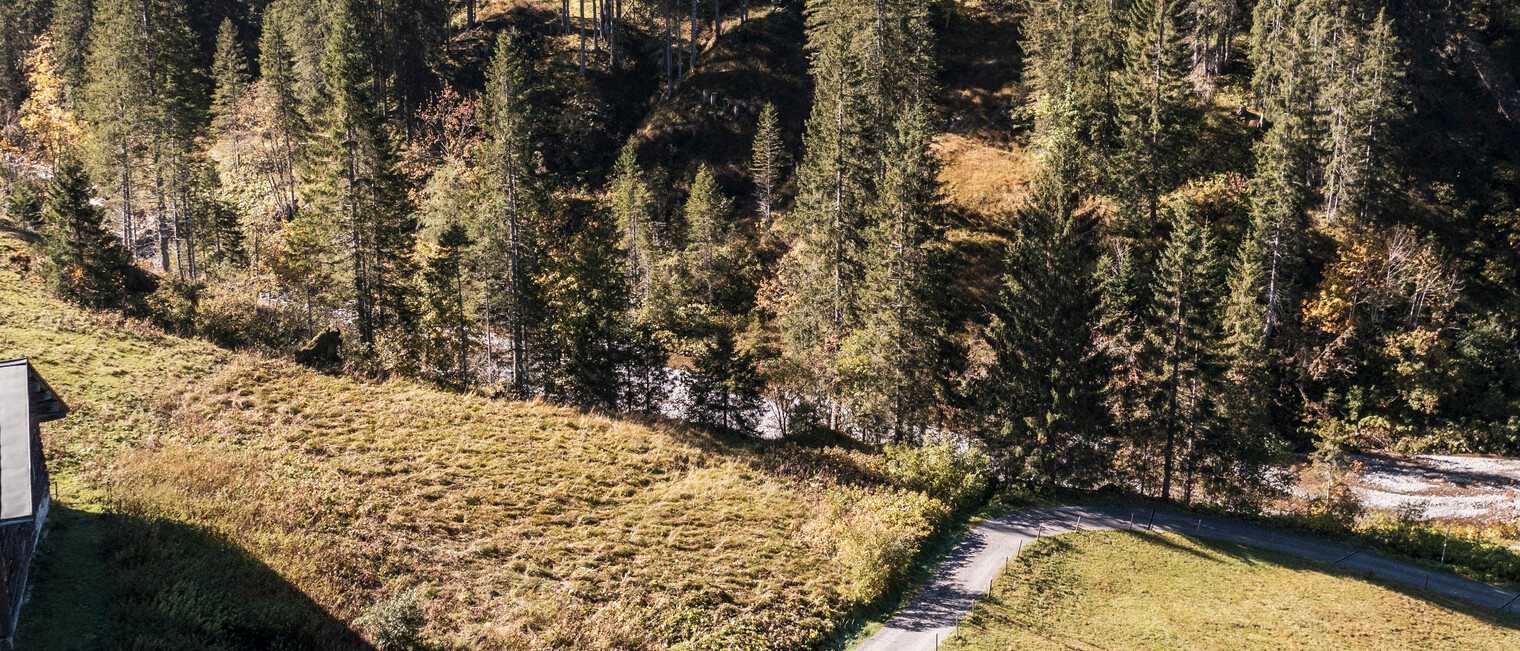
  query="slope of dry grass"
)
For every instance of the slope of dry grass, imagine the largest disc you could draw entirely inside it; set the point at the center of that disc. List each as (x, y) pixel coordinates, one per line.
(522, 525)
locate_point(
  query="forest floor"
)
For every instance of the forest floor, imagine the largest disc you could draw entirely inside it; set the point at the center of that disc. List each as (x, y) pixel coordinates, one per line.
(212, 499)
(1164, 588)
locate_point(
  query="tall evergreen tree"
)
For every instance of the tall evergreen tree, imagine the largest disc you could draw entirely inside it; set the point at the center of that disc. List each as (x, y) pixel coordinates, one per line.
(229, 71)
(1123, 326)
(1186, 371)
(1249, 440)
(707, 232)
(1285, 85)
(71, 28)
(633, 210)
(1156, 111)
(447, 320)
(514, 212)
(119, 106)
(352, 180)
(1365, 103)
(819, 278)
(283, 129)
(1075, 51)
(85, 263)
(767, 161)
(1042, 396)
(892, 362)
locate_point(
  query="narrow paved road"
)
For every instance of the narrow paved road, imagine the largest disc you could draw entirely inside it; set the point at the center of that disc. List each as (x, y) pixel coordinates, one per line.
(968, 571)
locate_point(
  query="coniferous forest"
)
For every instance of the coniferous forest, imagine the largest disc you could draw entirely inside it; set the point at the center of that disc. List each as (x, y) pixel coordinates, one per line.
(1245, 229)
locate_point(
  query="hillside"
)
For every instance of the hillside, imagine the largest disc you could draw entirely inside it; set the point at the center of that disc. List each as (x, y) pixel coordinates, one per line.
(219, 500)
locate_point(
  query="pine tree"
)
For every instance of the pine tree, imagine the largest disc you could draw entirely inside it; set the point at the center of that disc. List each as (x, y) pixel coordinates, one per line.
(893, 362)
(767, 162)
(515, 208)
(1186, 372)
(85, 263)
(1042, 395)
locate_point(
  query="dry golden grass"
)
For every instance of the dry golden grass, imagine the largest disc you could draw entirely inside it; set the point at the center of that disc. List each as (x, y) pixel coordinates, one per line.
(983, 178)
(525, 525)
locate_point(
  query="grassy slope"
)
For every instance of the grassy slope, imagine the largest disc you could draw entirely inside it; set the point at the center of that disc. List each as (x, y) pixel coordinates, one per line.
(218, 500)
(1129, 590)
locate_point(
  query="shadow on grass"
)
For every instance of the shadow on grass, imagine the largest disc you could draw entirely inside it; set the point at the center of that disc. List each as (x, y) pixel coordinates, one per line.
(1257, 556)
(106, 581)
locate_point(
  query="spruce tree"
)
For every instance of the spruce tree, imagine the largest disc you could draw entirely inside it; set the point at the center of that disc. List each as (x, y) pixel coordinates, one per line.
(1074, 55)
(1185, 376)
(1156, 111)
(352, 180)
(1250, 441)
(514, 210)
(633, 211)
(1042, 395)
(725, 390)
(119, 107)
(582, 342)
(85, 263)
(283, 127)
(707, 231)
(819, 277)
(893, 361)
(1365, 103)
(767, 162)
(229, 71)
(1122, 329)
(70, 30)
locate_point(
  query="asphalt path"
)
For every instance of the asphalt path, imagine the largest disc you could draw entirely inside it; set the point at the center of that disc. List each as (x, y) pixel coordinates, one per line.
(967, 573)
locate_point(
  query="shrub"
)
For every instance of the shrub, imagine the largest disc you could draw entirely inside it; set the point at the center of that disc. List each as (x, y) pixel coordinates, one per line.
(173, 305)
(876, 536)
(941, 468)
(1478, 557)
(395, 623)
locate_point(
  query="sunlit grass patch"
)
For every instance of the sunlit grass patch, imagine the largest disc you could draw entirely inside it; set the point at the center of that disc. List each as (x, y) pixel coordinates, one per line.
(1137, 590)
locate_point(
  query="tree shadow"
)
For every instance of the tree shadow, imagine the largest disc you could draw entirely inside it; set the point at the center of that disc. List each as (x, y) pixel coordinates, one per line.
(1258, 556)
(111, 581)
